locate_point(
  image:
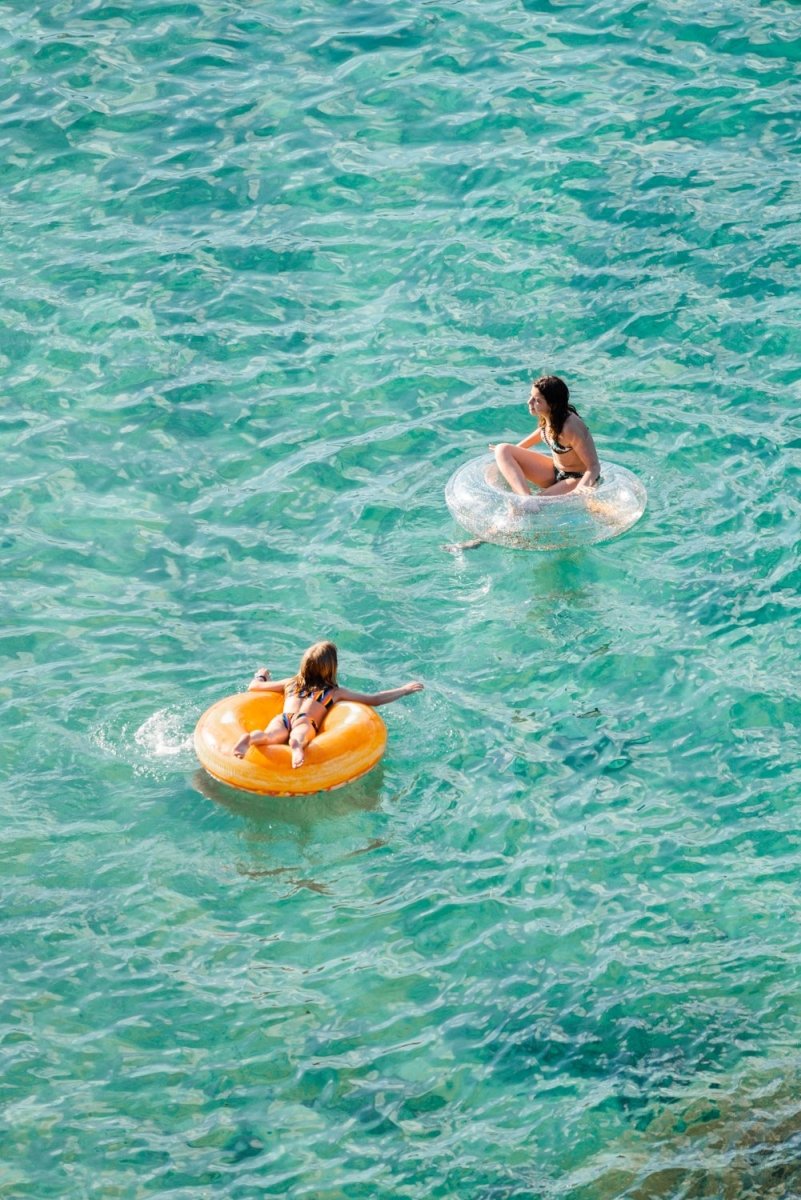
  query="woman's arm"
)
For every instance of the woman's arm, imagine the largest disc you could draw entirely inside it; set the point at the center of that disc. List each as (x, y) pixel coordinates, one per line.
(374, 699)
(584, 447)
(531, 440)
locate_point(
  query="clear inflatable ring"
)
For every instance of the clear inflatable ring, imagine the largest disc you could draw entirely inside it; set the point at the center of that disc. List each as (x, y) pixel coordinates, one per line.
(480, 499)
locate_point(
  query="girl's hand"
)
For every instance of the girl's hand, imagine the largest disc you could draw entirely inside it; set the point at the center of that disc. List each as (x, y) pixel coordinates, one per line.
(416, 686)
(491, 445)
(263, 674)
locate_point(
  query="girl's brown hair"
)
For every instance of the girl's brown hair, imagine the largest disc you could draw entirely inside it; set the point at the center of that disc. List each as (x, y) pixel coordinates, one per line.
(556, 392)
(318, 667)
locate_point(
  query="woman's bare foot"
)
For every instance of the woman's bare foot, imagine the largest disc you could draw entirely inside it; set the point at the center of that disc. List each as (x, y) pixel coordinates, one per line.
(242, 745)
(530, 504)
(298, 755)
(455, 547)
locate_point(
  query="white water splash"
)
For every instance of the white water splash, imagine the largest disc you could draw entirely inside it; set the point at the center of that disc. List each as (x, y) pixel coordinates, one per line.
(164, 734)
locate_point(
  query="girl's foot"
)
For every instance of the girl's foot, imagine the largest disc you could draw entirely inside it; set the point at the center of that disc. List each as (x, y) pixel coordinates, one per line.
(298, 756)
(242, 745)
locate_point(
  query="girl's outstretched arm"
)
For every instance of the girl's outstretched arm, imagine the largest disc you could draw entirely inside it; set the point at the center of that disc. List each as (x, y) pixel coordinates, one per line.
(259, 684)
(374, 699)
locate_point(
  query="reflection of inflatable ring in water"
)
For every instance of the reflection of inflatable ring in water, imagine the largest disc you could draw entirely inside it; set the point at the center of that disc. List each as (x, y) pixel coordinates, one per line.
(480, 500)
(349, 744)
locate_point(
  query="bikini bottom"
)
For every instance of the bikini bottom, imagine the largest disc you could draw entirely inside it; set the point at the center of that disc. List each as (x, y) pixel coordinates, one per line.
(291, 719)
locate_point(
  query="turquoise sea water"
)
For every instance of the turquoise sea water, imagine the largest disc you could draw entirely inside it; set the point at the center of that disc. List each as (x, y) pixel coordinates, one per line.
(270, 273)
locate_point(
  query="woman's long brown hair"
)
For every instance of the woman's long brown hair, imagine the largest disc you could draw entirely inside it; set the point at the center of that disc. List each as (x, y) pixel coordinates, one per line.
(556, 392)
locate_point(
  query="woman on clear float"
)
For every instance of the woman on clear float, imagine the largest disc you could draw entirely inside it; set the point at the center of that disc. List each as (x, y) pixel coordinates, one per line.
(573, 465)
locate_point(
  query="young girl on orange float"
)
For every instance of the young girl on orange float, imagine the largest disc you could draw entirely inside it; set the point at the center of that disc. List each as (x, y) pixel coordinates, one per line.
(307, 698)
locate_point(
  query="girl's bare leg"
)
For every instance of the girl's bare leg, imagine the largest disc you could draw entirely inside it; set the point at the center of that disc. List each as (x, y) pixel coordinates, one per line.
(520, 467)
(302, 733)
(276, 734)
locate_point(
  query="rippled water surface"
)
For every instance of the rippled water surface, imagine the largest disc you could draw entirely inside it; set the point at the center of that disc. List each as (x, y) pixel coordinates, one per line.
(271, 272)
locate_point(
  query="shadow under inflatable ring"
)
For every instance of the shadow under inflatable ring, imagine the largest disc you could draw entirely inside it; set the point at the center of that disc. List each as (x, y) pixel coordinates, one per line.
(350, 744)
(481, 501)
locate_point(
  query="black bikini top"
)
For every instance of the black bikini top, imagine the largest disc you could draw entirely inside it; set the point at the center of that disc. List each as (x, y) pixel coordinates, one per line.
(554, 446)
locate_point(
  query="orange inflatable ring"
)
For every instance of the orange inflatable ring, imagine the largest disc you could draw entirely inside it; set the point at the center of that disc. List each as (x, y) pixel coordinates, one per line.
(350, 744)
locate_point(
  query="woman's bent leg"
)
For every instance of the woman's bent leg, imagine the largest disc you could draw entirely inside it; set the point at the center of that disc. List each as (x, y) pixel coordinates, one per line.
(562, 487)
(520, 467)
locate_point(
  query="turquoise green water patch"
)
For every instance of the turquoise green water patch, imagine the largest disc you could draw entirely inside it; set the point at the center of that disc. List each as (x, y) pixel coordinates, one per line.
(270, 274)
